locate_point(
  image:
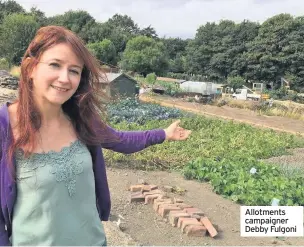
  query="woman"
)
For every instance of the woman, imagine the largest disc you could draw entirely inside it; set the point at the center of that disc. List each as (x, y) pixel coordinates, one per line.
(53, 184)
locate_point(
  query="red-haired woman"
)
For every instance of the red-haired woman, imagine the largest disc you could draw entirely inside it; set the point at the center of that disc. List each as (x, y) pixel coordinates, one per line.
(53, 184)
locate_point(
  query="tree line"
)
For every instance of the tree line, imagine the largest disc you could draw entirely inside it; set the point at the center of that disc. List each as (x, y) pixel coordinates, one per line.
(219, 52)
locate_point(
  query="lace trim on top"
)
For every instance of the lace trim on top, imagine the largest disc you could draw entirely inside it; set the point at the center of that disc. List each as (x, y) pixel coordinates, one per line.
(63, 166)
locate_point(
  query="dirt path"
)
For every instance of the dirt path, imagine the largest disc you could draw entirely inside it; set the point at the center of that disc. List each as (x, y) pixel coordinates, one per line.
(147, 228)
(239, 115)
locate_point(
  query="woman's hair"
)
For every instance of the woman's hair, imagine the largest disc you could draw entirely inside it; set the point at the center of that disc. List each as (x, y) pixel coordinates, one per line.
(83, 108)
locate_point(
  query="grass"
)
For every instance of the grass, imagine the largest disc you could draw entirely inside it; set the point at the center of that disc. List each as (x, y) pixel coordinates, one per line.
(284, 111)
(281, 109)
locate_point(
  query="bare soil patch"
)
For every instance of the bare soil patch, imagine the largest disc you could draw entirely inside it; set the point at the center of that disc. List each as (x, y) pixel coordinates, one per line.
(145, 227)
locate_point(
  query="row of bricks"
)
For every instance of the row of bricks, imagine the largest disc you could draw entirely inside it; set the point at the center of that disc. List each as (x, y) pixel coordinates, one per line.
(143, 187)
(194, 222)
(191, 220)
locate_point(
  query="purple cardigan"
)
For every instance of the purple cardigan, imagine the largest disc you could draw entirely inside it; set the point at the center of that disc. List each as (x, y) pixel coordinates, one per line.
(130, 142)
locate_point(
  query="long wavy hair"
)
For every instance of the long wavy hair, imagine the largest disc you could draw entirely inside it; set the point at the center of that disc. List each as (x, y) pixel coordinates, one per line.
(84, 108)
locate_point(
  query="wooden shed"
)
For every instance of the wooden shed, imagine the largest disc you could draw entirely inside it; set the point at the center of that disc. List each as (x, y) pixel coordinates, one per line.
(119, 85)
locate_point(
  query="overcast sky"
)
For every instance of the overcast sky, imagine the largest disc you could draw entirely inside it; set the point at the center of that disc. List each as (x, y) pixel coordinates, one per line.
(173, 18)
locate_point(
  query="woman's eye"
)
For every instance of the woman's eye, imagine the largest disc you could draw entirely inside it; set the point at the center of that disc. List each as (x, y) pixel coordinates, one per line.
(55, 65)
(75, 72)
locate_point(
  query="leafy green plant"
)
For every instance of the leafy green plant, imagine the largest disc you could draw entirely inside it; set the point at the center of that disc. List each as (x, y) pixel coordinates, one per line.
(132, 111)
(219, 152)
(232, 178)
(209, 138)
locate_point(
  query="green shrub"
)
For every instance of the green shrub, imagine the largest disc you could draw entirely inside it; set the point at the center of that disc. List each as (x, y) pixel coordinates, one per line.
(151, 78)
(4, 64)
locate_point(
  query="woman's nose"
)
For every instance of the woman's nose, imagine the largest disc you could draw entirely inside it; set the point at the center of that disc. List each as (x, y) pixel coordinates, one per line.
(64, 76)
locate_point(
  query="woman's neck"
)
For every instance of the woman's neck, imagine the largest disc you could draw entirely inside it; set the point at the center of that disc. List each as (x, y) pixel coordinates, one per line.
(50, 113)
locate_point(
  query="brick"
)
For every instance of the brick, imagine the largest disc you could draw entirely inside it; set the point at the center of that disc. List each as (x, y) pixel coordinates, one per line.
(137, 197)
(180, 221)
(158, 202)
(152, 192)
(183, 205)
(153, 187)
(165, 204)
(193, 211)
(187, 222)
(162, 199)
(175, 215)
(149, 199)
(165, 209)
(147, 188)
(164, 196)
(135, 188)
(210, 228)
(177, 200)
(196, 231)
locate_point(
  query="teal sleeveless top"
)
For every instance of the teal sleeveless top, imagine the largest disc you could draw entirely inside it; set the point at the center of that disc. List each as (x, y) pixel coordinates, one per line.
(56, 202)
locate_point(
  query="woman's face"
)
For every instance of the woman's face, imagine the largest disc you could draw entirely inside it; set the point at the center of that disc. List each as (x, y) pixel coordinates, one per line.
(57, 75)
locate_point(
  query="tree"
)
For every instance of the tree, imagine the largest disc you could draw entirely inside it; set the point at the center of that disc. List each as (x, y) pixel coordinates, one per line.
(114, 31)
(39, 16)
(235, 81)
(175, 46)
(197, 58)
(99, 32)
(244, 33)
(293, 57)
(17, 30)
(105, 51)
(220, 65)
(79, 21)
(9, 7)
(265, 56)
(149, 32)
(145, 55)
(177, 65)
(120, 29)
(217, 49)
(120, 40)
(124, 23)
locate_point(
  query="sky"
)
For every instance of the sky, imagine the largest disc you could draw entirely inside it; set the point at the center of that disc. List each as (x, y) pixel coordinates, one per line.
(173, 18)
